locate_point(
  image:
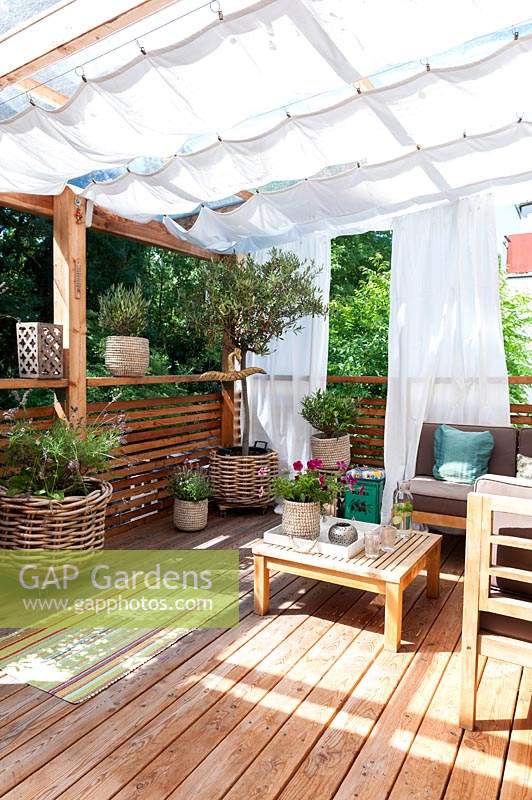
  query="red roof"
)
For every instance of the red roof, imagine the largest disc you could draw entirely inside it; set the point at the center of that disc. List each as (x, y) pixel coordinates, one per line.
(519, 256)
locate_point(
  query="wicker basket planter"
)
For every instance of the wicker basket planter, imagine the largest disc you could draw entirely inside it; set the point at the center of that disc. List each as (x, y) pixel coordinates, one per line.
(243, 481)
(127, 356)
(75, 523)
(190, 515)
(330, 451)
(302, 520)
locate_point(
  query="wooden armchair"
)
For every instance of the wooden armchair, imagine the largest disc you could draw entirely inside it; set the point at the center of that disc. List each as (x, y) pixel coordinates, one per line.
(497, 619)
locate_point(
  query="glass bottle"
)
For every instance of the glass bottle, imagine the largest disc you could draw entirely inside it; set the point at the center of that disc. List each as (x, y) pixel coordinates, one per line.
(403, 504)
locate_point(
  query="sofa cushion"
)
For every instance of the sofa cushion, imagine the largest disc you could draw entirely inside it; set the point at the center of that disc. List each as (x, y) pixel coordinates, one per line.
(524, 466)
(502, 461)
(425, 484)
(429, 504)
(461, 456)
(525, 442)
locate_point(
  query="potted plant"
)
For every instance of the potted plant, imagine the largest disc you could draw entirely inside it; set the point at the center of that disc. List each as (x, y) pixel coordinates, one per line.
(246, 304)
(47, 498)
(123, 317)
(332, 415)
(191, 489)
(305, 494)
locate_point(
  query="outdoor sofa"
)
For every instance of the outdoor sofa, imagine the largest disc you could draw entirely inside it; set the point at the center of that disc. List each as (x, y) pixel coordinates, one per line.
(444, 503)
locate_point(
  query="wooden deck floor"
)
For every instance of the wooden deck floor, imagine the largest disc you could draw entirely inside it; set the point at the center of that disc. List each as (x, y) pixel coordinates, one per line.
(303, 703)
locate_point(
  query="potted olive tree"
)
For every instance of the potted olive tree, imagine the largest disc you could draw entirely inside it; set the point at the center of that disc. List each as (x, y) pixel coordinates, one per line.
(191, 489)
(332, 415)
(49, 497)
(246, 304)
(123, 318)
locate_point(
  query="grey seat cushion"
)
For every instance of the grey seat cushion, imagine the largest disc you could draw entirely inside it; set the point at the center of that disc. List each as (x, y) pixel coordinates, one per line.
(427, 485)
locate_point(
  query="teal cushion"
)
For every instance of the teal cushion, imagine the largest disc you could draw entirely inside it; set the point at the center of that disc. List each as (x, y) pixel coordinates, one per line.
(461, 456)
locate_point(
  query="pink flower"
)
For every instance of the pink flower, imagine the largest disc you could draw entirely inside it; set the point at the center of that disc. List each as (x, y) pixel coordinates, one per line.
(361, 490)
(262, 472)
(261, 492)
(322, 479)
(342, 465)
(314, 463)
(297, 466)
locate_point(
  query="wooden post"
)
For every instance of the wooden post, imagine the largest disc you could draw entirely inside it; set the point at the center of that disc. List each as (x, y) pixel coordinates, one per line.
(228, 405)
(70, 274)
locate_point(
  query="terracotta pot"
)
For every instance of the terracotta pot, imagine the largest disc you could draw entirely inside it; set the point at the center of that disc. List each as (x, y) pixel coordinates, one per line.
(330, 451)
(191, 515)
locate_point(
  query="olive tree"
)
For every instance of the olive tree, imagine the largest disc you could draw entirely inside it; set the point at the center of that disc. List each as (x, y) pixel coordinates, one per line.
(246, 304)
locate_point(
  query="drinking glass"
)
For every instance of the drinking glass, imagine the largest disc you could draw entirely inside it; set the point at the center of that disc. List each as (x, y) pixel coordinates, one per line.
(388, 537)
(372, 543)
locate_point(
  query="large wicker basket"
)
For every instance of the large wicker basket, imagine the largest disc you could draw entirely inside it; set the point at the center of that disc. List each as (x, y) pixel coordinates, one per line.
(75, 523)
(331, 451)
(190, 515)
(302, 520)
(127, 356)
(243, 480)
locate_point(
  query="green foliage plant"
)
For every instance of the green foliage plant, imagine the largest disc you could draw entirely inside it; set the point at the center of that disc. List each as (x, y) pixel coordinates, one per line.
(190, 483)
(331, 414)
(123, 311)
(55, 462)
(246, 304)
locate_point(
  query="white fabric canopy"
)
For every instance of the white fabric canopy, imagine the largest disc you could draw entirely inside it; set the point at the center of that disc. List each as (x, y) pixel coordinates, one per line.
(297, 365)
(372, 127)
(445, 352)
(366, 198)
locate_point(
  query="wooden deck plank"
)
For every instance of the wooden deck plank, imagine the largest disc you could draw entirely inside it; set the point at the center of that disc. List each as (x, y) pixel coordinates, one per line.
(479, 765)
(517, 778)
(283, 707)
(323, 769)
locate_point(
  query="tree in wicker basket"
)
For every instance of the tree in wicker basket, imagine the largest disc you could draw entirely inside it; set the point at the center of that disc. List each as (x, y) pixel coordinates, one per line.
(332, 415)
(48, 499)
(123, 317)
(190, 487)
(247, 304)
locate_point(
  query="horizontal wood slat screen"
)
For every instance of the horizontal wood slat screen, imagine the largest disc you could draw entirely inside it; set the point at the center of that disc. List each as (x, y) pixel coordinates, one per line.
(367, 437)
(161, 433)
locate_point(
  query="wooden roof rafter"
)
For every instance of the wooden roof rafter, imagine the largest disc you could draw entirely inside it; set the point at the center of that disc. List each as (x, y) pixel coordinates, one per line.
(150, 233)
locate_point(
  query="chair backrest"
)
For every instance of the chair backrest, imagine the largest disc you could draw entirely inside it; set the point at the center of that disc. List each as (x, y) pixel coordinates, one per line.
(503, 458)
(488, 530)
(525, 441)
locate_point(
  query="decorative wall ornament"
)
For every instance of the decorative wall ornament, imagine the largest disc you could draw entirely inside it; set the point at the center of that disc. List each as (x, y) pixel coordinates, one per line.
(40, 350)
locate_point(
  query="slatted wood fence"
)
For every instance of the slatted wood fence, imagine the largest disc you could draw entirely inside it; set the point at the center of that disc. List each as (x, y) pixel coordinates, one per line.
(161, 433)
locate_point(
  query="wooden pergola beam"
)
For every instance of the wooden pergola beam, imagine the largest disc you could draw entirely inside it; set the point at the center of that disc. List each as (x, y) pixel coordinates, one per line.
(63, 31)
(150, 233)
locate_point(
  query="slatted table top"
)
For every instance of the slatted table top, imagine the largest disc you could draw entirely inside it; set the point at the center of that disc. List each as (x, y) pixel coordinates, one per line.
(390, 567)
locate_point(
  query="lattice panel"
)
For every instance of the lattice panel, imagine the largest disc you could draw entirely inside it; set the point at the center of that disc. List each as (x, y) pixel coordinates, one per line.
(40, 350)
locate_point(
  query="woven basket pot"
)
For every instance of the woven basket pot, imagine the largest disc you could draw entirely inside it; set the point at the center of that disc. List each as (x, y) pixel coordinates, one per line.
(302, 520)
(127, 356)
(243, 480)
(75, 523)
(190, 515)
(331, 450)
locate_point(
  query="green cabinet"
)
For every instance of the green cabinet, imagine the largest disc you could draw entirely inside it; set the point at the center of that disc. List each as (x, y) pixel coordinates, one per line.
(364, 502)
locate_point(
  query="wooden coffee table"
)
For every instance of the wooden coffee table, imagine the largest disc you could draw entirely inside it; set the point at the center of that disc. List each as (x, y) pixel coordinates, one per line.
(389, 574)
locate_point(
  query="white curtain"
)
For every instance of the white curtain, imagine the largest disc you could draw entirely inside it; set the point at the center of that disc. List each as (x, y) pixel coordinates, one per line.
(446, 353)
(296, 365)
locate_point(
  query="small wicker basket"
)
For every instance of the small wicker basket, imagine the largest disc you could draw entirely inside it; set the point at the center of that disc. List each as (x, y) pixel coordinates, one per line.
(127, 356)
(302, 520)
(331, 451)
(243, 480)
(191, 515)
(75, 523)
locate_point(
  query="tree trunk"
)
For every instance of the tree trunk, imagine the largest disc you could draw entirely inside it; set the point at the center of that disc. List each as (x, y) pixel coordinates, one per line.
(245, 406)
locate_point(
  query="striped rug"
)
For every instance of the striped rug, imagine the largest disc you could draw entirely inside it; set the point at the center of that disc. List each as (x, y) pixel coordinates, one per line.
(76, 664)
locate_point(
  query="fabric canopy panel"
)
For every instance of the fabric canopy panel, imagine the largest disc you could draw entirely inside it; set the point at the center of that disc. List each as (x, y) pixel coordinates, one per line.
(297, 365)
(446, 351)
(383, 124)
(366, 198)
(268, 55)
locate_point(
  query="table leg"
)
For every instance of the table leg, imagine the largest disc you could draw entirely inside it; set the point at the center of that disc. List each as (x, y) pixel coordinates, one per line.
(393, 617)
(261, 585)
(433, 571)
